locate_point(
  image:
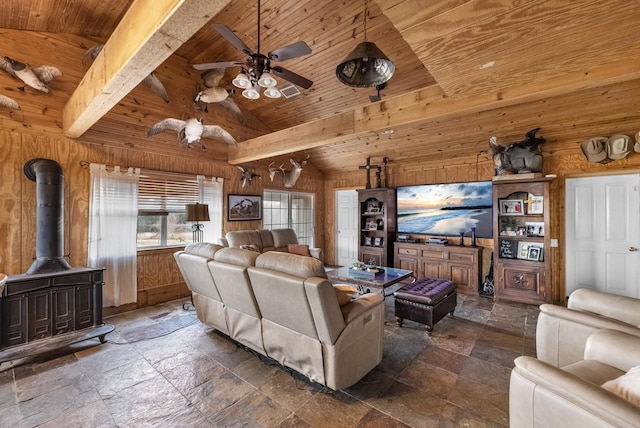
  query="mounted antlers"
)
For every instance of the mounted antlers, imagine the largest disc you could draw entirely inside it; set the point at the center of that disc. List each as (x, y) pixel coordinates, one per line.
(273, 171)
(291, 176)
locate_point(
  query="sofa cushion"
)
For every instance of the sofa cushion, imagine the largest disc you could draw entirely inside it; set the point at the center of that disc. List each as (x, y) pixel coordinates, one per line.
(626, 386)
(202, 249)
(345, 293)
(293, 264)
(283, 237)
(244, 237)
(299, 249)
(250, 247)
(236, 256)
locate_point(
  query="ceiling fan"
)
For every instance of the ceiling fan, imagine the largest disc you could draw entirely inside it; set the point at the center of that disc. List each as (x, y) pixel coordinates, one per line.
(257, 69)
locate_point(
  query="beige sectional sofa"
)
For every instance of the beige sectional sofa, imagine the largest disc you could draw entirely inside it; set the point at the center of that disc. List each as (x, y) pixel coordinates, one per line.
(562, 332)
(282, 306)
(266, 240)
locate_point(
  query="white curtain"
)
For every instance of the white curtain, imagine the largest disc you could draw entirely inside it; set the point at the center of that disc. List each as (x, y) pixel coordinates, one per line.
(210, 193)
(113, 222)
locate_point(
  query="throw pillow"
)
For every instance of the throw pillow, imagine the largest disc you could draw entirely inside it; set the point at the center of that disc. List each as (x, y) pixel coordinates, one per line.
(300, 249)
(626, 386)
(250, 247)
(345, 293)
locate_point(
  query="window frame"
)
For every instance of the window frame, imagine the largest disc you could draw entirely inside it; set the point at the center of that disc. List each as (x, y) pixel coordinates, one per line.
(303, 238)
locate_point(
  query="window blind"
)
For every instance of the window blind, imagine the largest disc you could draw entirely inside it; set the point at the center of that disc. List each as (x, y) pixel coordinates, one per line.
(164, 192)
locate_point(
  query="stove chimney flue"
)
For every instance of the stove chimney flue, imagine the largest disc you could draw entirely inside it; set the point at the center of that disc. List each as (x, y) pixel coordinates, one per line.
(49, 215)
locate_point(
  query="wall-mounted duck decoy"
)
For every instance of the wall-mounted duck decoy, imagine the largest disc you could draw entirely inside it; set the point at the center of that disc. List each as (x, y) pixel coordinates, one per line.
(151, 80)
(9, 102)
(214, 93)
(38, 78)
(190, 131)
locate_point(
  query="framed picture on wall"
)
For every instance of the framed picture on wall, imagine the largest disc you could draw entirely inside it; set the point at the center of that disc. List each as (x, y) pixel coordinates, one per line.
(244, 207)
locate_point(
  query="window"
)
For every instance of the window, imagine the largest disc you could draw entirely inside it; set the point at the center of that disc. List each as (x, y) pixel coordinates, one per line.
(162, 198)
(282, 209)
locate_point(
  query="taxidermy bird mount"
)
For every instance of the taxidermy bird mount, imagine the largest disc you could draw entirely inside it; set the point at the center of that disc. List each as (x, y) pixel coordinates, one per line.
(214, 93)
(247, 176)
(518, 158)
(9, 102)
(151, 80)
(191, 131)
(38, 78)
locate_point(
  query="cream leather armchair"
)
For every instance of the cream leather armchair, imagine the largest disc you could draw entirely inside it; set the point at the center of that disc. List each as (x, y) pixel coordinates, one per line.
(541, 395)
(562, 332)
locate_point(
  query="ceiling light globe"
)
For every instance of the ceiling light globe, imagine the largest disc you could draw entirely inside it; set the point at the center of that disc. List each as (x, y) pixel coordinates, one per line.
(267, 80)
(272, 92)
(242, 81)
(253, 92)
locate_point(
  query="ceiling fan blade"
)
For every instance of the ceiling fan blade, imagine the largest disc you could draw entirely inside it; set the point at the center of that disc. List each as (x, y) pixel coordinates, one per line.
(231, 37)
(292, 77)
(293, 50)
(210, 65)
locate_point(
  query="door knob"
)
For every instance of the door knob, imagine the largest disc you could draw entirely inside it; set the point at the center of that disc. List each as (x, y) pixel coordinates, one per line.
(632, 249)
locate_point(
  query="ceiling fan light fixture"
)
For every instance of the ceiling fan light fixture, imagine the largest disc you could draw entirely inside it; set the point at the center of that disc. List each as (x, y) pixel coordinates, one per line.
(272, 92)
(252, 92)
(366, 66)
(267, 80)
(242, 81)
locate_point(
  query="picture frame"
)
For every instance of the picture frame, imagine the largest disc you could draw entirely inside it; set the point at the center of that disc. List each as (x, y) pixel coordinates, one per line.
(521, 231)
(244, 207)
(533, 253)
(523, 250)
(367, 240)
(371, 224)
(536, 204)
(377, 241)
(534, 228)
(512, 206)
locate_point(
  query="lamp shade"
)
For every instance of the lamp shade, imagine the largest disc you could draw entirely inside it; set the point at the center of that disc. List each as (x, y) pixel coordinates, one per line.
(197, 212)
(266, 80)
(242, 81)
(252, 92)
(366, 66)
(272, 92)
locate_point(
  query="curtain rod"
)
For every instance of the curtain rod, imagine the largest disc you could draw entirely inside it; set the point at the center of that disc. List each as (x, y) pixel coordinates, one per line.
(85, 164)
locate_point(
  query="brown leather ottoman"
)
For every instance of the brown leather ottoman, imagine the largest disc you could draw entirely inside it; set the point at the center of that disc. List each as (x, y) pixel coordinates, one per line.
(426, 301)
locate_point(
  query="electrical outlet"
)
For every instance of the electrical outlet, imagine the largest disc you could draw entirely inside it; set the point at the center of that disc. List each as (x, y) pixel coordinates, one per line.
(554, 242)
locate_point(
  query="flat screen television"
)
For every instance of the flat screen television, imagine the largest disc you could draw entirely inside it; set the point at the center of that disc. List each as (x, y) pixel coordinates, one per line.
(446, 209)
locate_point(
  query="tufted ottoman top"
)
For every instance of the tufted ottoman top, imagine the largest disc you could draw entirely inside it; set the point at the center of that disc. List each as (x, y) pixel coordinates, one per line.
(427, 290)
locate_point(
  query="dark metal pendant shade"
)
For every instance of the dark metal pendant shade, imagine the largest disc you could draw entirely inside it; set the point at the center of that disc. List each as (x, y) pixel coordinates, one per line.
(366, 66)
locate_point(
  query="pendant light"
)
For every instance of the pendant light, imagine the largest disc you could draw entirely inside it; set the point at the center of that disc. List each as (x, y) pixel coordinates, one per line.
(366, 66)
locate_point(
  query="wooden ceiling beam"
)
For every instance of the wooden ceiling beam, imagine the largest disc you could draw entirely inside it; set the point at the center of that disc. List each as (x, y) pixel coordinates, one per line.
(148, 34)
(422, 105)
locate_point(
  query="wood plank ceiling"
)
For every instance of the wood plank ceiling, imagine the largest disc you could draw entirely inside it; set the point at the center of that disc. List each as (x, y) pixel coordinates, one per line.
(466, 70)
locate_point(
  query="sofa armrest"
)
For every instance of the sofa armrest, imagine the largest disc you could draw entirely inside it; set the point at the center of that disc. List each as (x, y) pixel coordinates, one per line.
(561, 333)
(621, 308)
(543, 395)
(317, 253)
(614, 348)
(352, 310)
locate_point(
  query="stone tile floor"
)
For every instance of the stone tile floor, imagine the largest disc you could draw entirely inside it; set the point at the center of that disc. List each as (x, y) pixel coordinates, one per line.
(161, 367)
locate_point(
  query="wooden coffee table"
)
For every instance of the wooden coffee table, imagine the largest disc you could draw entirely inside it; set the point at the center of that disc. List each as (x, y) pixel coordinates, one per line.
(383, 281)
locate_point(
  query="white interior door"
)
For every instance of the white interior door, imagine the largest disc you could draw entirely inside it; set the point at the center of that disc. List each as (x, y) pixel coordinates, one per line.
(603, 234)
(347, 227)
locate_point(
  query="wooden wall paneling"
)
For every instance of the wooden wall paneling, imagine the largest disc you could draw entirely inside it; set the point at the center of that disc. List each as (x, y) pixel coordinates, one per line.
(11, 189)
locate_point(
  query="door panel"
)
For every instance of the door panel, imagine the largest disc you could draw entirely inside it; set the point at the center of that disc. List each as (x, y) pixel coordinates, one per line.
(602, 231)
(347, 227)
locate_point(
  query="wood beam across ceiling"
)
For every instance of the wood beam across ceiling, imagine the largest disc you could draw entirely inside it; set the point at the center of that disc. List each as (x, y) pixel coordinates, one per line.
(421, 105)
(148, 34)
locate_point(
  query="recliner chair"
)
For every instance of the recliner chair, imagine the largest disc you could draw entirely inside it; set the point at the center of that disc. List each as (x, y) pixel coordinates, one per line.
(562, 332)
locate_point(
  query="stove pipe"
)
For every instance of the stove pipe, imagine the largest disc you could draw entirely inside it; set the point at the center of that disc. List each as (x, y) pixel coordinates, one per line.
(49, 215)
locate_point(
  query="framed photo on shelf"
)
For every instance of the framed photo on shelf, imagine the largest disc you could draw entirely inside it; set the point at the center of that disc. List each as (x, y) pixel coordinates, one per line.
(534, 228)
(367, 240)
(533, 253)
(512, 206)
(244, 207)
(536, 204)
(521, 231)
(525, 246)
(377, 241)
(371, 224)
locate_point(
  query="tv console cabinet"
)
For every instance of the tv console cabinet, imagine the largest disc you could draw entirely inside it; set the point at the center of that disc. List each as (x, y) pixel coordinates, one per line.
(461, 265)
